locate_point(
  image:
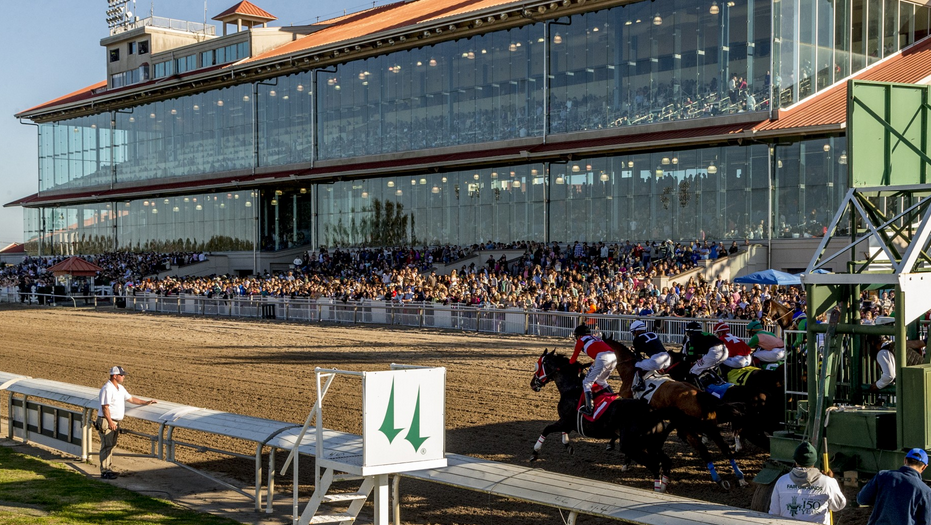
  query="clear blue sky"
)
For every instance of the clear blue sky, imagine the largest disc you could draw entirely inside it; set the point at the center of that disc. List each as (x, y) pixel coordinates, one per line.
(50, 48)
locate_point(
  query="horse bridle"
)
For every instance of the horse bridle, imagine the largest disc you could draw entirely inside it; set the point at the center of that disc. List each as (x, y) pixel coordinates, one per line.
(776, 320)
(540, 375)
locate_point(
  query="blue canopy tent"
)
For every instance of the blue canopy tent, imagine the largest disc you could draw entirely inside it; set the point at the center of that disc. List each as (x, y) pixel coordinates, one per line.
(769, 277)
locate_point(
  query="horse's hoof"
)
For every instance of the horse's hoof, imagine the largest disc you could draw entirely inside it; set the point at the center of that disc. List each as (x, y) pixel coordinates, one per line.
(534, 457)
(570, 449)
(625, 467)
(609, 447)
(724, 484)
(742, 482)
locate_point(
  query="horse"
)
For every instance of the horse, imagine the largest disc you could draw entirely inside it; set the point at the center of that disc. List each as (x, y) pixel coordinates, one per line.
(641, 431)
(701, 408)
(777, 313)
(761, 393)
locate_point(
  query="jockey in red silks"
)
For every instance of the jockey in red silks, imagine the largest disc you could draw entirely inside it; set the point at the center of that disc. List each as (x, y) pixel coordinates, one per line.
(605, 361)
(738, 352)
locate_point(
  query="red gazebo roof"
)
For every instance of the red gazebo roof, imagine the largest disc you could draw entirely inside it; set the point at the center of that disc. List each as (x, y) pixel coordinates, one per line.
(75, 266)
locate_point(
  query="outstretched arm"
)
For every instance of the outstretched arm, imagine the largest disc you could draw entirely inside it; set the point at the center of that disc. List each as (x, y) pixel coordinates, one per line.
(137, 401)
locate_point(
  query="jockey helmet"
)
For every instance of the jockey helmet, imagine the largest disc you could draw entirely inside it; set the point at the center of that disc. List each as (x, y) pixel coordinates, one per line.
(582, 330)
(721, 326)
(754, 326)
(693, 326)
(638, 326)
(798, 316)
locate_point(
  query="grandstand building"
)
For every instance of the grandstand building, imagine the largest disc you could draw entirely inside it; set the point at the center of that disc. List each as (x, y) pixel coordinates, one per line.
(441, 121)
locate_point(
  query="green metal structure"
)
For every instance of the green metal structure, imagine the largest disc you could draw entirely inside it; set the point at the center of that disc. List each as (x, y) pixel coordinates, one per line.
(883, 227)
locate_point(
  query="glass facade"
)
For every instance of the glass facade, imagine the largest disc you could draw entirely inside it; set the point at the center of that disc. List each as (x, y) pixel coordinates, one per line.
(713, 193)
(211, 222)
(708, 193)
(818, 43)
(208, 132)
(646, 62)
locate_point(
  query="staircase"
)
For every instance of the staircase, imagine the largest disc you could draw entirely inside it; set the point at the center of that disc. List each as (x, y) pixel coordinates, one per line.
(328, 514)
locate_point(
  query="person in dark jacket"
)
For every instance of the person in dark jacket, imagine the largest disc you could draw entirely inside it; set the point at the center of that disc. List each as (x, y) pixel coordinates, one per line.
(899, 497)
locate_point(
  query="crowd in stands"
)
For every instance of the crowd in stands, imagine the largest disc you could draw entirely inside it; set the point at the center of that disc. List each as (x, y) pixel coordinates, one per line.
(576, 277)
(117, 267)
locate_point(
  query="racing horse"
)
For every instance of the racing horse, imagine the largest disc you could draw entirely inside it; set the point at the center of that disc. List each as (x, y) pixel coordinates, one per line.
(777, 313)
(702, 410)
(641, 431)
(760, 392)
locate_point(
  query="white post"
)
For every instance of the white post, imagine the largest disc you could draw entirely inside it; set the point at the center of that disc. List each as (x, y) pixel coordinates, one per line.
(381, 499)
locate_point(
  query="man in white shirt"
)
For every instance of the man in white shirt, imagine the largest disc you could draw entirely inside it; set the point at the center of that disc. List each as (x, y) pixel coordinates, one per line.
(112, 408)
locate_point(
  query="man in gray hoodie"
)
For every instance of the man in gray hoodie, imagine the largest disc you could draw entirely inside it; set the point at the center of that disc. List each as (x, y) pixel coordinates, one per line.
(805, 493)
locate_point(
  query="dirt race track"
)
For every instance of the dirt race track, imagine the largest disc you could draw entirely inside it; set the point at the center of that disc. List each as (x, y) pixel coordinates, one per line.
(266, 369)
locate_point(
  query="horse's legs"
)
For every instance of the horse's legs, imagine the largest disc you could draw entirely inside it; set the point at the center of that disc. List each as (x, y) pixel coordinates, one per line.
(553, 427)
(715, 435)
(694, 440)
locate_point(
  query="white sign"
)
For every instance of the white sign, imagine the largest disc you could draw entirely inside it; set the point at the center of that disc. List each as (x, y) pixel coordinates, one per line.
(404, 418)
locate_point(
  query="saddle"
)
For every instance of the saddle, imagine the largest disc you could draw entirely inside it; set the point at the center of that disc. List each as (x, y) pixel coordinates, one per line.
(740, 376)
(710, 381)
(601, 399)
(651, 381)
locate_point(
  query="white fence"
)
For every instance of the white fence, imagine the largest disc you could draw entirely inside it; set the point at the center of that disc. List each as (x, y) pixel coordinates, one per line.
(429, 315)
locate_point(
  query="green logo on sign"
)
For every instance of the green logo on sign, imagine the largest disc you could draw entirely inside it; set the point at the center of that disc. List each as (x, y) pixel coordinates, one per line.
(387, 425)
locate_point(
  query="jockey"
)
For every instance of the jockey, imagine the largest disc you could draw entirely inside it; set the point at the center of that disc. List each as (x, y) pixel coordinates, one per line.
(604, 363)
(769, 348)
(647, 343)
(799, 322)
(698, 343)
(885, 358)
(738, 352)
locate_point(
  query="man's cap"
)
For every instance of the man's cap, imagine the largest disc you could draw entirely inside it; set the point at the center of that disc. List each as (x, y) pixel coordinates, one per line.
(117, 371)
(806, 455)
(754, 325)
(798, 315)
(918, 454)
(884, 319)
(638, 326)
(582, 330)
(721, 326)
(693, 326)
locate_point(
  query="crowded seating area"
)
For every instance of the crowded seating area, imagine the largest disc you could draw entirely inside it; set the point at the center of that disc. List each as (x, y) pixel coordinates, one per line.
(575, 277)
(118, 267)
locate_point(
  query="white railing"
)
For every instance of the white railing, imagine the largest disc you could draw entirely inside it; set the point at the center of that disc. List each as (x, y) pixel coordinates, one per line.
(422, 315)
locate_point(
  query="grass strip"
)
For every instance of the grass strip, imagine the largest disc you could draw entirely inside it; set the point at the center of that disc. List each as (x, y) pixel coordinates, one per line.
(35, 491)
